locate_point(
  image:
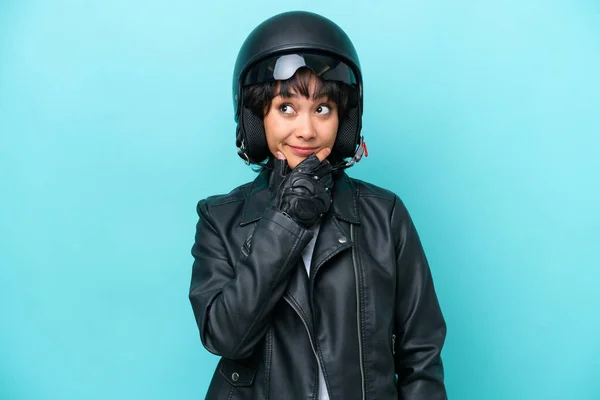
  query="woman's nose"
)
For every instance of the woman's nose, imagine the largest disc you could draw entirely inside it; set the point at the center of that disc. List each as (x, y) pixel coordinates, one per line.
(306, 128)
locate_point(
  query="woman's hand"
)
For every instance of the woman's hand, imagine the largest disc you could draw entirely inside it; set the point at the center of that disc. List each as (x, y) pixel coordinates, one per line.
(304, 193)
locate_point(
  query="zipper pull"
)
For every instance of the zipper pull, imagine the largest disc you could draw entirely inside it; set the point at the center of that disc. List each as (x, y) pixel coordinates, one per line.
(393, 344)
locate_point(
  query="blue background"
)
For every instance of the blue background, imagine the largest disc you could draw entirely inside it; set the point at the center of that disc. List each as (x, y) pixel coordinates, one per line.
(116, 118)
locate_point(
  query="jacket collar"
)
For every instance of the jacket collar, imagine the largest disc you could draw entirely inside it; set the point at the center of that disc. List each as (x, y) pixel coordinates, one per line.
(344, 196)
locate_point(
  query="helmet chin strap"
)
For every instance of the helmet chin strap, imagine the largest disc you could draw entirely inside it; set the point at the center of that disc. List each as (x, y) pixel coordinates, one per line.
(358, 154)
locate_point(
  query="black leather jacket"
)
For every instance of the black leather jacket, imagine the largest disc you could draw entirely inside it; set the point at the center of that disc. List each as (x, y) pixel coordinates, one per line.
(367, 312)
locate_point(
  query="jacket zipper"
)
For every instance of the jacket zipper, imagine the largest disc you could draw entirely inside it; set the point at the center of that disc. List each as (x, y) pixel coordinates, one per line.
(360, 350)
(393, 344)
(310, 339)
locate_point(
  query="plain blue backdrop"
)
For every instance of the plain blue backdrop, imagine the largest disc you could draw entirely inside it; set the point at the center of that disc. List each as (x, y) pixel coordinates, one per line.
(116, 118)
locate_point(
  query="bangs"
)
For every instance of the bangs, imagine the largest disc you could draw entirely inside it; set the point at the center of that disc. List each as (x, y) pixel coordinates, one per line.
(258, 97)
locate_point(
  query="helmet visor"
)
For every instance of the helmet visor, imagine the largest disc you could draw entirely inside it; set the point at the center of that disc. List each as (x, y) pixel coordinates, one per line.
(283, 67)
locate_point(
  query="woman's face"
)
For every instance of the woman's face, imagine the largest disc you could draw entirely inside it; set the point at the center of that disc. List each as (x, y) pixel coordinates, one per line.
(298, 126)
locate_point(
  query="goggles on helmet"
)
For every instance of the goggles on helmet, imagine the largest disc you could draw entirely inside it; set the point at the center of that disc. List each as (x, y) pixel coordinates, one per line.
(282, 67)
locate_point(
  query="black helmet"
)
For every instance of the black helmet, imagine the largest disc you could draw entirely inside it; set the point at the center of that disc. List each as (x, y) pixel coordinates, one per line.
(274, 50)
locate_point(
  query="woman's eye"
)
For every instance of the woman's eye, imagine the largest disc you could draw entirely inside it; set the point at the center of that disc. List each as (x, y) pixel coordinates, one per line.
(286, 108)
(323, 109)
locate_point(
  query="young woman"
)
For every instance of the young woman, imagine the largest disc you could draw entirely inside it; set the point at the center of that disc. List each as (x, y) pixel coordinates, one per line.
(310, 284)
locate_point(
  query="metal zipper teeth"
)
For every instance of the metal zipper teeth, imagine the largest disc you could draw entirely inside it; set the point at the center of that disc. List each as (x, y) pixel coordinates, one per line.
(310, 339)
(360, 350)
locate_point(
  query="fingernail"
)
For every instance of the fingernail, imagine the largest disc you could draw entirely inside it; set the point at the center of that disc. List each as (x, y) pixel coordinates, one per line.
(280, 156)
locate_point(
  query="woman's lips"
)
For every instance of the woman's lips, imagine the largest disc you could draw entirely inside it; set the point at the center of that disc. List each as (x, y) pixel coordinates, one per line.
(303, 151)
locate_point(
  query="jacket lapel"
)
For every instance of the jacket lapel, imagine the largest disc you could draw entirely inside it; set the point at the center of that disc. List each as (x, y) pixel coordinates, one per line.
(297, 292)
(333, 237)
(331, 240)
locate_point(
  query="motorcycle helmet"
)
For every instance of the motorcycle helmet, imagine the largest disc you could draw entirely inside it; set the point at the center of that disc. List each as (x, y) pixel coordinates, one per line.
(275, 50)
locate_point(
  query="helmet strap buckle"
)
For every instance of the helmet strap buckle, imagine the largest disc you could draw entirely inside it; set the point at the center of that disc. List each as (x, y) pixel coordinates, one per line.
(358, 155)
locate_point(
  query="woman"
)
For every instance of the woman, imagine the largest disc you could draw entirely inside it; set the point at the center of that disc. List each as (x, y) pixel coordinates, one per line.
(307, 283)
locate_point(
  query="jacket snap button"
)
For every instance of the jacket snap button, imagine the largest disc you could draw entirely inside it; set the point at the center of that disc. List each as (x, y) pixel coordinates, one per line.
(342, 239)
(235, 376)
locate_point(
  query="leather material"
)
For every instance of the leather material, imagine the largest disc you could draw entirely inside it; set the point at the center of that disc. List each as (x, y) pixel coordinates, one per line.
(367, 311)
(304, 194)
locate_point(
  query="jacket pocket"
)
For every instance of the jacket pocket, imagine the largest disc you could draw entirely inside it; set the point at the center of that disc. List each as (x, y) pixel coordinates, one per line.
(236, 374)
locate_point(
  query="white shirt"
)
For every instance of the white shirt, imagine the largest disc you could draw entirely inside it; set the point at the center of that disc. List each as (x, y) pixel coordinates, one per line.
(307, 257)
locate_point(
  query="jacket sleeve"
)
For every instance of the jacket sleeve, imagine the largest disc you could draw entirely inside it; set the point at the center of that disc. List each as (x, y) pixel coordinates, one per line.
(419, 324)
(232, 304)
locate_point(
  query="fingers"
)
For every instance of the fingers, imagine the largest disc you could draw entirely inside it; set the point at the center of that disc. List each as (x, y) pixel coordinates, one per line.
(323, 154)
(311, 162)
(280, 164)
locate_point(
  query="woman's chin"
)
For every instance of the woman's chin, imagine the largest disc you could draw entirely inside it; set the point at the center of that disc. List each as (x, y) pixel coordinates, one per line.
(294, 160)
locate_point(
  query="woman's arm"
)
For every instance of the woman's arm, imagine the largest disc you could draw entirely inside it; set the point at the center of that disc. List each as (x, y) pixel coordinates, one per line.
(231, 304)
(419, 324)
